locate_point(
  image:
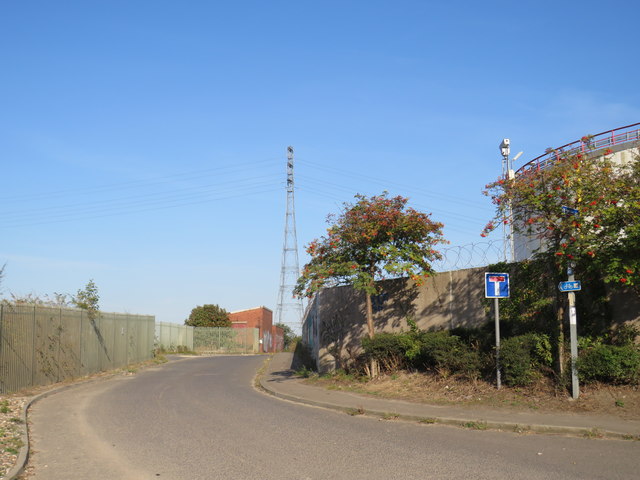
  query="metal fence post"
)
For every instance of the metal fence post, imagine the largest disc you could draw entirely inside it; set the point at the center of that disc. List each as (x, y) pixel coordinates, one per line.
(127, 343)
(59, 343)
(33, 349)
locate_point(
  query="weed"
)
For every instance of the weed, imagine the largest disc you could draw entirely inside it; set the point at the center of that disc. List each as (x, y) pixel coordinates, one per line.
(476, 425)
(390, 416)
(355, 411)
(16, 420)
(304, 372)
(4, 406)
(593, 433)
(11, 450)
(428, 421)
(631, 437)
(619, 403)
(159, 359)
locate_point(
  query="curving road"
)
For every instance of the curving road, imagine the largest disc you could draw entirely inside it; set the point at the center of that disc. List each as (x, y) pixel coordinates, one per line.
(201, 418)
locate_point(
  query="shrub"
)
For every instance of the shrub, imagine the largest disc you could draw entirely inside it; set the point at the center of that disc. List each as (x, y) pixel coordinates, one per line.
(523, 356)
(610, 363)
(443, 352)
(389, 349)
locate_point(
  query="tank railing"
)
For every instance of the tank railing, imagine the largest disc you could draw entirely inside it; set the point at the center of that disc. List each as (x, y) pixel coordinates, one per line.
(588, 144)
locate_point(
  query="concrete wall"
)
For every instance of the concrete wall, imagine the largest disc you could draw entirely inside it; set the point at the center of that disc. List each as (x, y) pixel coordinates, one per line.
(335, 321)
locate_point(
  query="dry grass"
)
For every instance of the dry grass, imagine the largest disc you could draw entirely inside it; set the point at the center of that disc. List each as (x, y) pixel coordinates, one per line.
(543, 396)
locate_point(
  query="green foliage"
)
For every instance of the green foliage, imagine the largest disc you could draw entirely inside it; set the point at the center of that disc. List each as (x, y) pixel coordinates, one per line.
(288, 335)
(56, 300)
(523, 356)
(610, 363)
(436, 351)
(375, 238)
(208, 316)
(178, 349)
(444, 352)
(530, 306)
(602, 237)
(87, 299)
(390, 350)
(625, 335)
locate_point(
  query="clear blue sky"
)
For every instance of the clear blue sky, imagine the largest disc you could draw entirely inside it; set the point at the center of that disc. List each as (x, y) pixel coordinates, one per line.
(143, 143)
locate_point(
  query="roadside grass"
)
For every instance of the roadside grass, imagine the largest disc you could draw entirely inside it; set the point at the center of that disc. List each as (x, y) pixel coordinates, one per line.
(621, 401)
(390, 416)
(427, 421)
(476, 425)
(356, 411)
(178, 350)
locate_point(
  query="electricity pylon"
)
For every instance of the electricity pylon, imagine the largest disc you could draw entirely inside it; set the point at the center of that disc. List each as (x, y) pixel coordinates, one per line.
(289, 308)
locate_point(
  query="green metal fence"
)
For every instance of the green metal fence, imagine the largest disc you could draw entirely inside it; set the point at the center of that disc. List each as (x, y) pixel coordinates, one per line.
(44, 345)
(226, 340)
(172, 336)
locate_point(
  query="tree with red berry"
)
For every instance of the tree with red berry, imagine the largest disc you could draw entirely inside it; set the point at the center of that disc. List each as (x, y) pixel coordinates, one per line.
(373, 239)
(598, 228)
(582, 208)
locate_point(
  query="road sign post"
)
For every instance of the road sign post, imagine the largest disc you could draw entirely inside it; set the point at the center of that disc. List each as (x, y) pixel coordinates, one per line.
(571, 286)
(496, 286)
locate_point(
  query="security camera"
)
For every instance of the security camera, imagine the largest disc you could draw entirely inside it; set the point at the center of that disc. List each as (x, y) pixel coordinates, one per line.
(504, 147)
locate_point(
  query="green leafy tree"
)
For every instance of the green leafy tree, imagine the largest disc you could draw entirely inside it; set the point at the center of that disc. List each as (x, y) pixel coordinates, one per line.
(288, 335)
(88, 299)
(375, 238)
(604, 234)
(583, 208)
(208, 316)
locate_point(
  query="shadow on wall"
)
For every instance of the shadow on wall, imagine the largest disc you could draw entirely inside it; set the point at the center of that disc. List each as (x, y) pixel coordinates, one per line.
(446, 300)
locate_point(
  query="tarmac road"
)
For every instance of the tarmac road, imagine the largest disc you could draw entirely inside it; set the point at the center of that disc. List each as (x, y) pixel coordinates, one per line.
(201, 418)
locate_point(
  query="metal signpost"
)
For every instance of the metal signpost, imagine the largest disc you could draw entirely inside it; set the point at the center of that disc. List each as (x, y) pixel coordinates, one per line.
(571, 287)
(496, 286)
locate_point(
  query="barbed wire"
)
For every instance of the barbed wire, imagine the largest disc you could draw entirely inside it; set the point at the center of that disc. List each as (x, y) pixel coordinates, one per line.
(470, 255)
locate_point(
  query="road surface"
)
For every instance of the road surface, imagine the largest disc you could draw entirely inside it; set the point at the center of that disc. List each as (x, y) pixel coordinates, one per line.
(201, 418)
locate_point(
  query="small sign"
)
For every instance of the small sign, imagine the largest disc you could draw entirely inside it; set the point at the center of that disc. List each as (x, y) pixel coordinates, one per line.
(496, 285)
(569, 210)
(574, 286)
(573, 317)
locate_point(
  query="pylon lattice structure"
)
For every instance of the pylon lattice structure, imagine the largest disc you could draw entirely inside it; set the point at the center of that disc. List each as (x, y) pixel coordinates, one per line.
(289, 308)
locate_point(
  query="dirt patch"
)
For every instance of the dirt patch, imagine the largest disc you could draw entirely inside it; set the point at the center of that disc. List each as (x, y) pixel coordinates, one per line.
(543, 396)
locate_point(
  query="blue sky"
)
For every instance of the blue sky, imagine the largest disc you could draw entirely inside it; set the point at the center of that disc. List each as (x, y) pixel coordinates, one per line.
(143, 143)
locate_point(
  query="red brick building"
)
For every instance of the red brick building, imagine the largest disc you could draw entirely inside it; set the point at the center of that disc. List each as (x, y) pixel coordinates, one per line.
(271, 337)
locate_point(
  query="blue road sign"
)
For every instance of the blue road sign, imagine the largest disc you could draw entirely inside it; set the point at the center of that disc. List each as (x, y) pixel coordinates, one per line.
(574, 286)
(496, 285)
(569, 210)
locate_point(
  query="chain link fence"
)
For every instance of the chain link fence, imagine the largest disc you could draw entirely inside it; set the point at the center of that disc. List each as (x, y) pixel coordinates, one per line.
(210, 340)
(171, 336)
